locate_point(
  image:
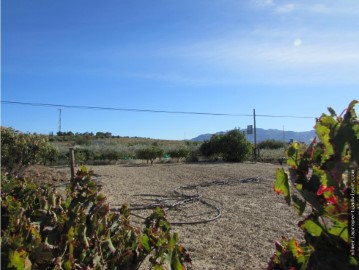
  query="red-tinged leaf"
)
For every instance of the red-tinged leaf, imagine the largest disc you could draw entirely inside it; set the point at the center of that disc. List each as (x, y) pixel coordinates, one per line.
(321, 190)
(328, 193)
(294, 247)
(331, 199)
(310, 151)
(281, 185)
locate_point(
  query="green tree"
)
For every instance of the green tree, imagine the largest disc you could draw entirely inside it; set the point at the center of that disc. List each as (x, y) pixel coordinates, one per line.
(232, 146)
(149, 153)
(179, 153)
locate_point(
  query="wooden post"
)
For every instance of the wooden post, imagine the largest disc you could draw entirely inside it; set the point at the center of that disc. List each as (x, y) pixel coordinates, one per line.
(72, 160)
(255, 135)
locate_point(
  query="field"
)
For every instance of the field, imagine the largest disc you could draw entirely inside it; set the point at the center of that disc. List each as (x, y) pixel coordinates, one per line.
(253, 216)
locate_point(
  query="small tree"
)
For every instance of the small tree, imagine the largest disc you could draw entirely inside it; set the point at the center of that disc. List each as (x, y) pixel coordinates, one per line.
(323, 177)
(232, 146)
(179, 153)
(149, 154)
(19, 150)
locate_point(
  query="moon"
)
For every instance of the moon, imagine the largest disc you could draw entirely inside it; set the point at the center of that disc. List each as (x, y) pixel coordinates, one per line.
(297, 42)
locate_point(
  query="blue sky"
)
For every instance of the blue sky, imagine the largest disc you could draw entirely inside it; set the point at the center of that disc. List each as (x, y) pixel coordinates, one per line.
(279, 57)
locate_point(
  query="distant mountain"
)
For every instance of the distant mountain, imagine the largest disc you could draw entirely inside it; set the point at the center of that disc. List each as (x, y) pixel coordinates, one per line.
(266, 134)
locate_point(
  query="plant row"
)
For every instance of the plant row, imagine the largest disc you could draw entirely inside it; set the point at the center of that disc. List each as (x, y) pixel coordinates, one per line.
(42, 229)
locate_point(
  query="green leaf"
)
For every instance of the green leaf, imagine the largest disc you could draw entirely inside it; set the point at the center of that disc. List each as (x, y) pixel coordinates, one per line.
(340, 229)
(281, 185)
(67, 265)
(165, 226)
(353, 260)
(83, 169)
(145, 242)
(292, 154)
(312, 228)
(17, 259)
(323, 132)
(71, 234)
(176, 263)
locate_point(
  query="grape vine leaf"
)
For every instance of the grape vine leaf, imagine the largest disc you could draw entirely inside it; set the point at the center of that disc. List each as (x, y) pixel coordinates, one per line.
(281, 185)
(312, 228)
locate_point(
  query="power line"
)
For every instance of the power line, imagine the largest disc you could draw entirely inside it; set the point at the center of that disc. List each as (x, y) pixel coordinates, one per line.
(144, 110)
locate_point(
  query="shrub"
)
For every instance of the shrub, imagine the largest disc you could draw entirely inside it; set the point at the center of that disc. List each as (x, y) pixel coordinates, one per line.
(19, 150)
(205, 149)
(179, 153)
(83, 140)
(320, 178)
(232, 146)
(149, 154)
(270, 144)
(43, 230)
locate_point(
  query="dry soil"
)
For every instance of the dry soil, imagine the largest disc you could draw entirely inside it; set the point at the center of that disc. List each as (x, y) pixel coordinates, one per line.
(253, 215)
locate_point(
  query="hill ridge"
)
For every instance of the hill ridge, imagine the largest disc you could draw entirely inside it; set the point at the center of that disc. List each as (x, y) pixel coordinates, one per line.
(267, 134)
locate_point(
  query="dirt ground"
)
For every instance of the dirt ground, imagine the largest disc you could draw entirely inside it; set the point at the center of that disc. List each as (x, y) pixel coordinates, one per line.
(44, 175)
(253, 216)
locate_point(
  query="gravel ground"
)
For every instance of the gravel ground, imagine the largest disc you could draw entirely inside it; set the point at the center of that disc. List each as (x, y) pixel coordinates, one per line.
(253, 216)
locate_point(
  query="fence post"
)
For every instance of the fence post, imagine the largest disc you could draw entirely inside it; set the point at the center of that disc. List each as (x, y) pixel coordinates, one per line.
(255, 135)
(72, 160)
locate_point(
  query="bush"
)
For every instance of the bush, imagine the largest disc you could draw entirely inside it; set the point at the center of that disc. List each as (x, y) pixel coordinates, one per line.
(324, 177)
(43, 230)
(149, 154)
(82, 140)
(19, 150)
(270, 144)
(179, 153)
(232, 146)
(206, 149)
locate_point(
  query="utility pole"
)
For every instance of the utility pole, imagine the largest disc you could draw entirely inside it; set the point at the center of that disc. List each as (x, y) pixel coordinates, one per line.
(255, 135)
(59, 120)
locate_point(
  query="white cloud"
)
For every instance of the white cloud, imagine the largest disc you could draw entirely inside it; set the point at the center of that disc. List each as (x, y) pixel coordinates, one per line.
(264, 3)
(281, 60)
(310, 56)
(319, 8)
(287, 8)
